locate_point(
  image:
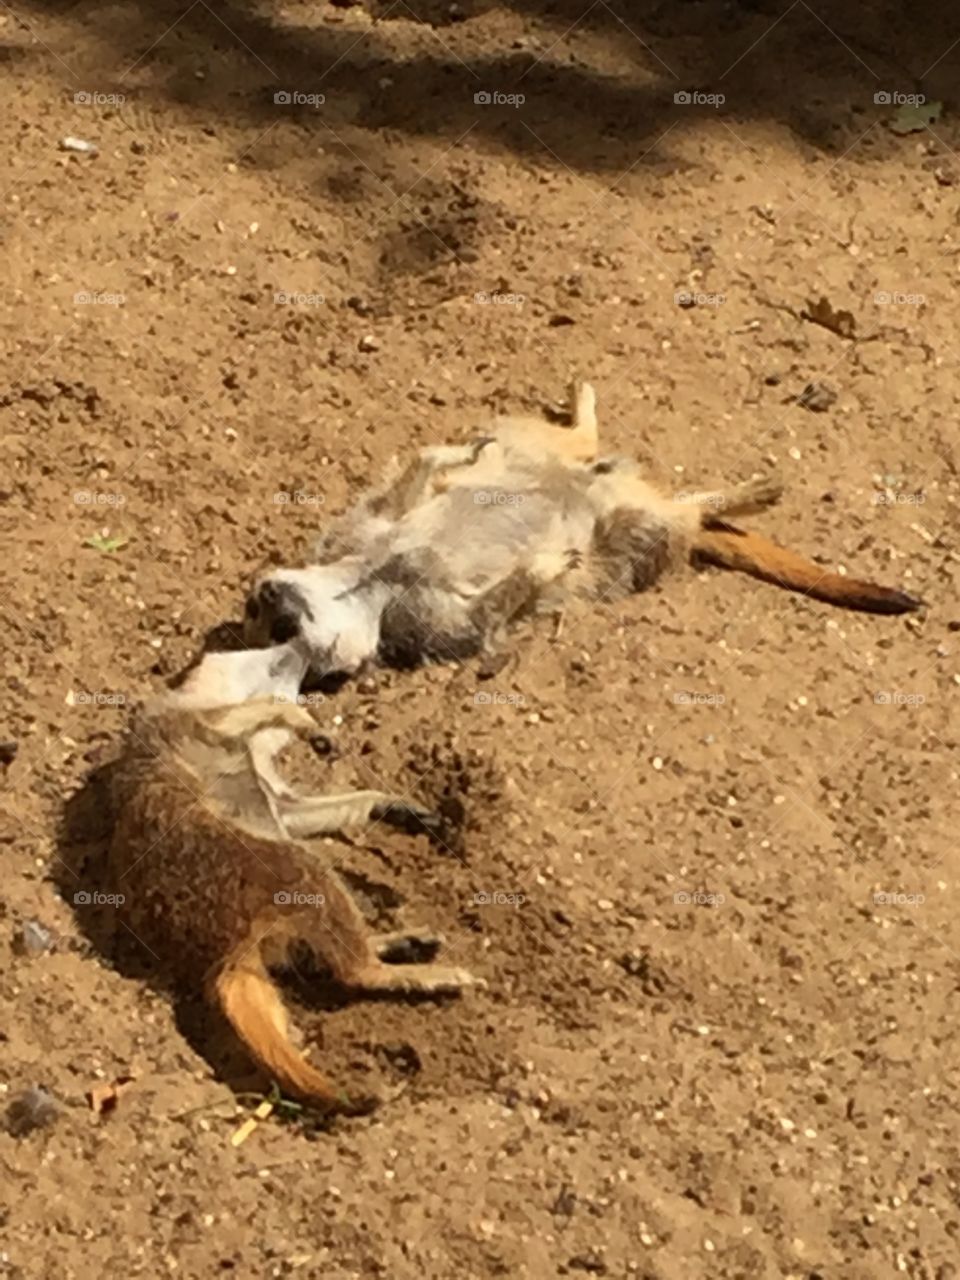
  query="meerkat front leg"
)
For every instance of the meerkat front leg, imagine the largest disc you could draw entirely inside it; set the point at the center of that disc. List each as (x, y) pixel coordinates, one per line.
(308, 816)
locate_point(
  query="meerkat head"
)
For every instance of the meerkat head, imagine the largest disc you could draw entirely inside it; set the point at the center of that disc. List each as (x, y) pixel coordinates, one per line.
(338, 625)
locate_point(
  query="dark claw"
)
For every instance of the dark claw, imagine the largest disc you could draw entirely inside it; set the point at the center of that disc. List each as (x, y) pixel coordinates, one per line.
(410, 818)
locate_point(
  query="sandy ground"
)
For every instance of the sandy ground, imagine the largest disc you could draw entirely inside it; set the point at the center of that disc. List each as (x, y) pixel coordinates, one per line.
(715, 825)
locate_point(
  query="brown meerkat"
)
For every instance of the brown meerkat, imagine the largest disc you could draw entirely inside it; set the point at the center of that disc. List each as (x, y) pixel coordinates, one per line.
(210, 855)
(439, 562)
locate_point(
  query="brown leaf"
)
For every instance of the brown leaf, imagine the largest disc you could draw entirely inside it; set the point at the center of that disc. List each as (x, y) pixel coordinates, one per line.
(103, 1098)
(823, 314)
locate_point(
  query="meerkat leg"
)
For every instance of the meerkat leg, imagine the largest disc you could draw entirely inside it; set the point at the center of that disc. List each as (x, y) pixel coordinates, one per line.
(744, 499)
(428, 474)
(631, 550)
(342, 938)
(304, 817)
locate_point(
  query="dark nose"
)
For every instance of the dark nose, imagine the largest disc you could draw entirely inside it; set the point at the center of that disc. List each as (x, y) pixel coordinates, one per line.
(280, 607)
(284, 628)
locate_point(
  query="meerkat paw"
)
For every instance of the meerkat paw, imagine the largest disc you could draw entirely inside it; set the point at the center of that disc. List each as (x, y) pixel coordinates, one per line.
(408, 946)
(414, 979)
(406, 816)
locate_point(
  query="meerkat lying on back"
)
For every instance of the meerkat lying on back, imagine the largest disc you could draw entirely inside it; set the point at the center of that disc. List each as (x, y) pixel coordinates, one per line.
(437, 563)
(211, 856)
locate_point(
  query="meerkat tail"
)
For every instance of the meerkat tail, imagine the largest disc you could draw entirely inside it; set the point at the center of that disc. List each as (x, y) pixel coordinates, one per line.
(733, 548)
(252, 1005)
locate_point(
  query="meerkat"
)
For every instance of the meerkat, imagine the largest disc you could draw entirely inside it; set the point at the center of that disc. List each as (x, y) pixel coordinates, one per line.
(437, 564)
(212, 858)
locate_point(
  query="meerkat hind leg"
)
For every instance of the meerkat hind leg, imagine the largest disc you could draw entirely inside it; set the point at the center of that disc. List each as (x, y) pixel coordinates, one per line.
(413, 979)
(746, 499)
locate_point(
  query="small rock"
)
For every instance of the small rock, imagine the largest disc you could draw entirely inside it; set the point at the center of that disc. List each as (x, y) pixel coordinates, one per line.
(33, 1109)
(818, 397)
(33, 939)
(369, 343)
(79, 144)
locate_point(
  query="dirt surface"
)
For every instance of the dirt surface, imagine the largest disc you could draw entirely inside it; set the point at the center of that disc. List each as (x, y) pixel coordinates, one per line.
(715, 826)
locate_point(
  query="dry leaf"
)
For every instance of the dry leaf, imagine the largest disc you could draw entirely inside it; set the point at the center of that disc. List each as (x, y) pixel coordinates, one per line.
(103, 1098)
(823, 314)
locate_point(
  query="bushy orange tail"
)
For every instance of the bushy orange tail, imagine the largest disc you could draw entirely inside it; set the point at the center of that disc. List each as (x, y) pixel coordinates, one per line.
(251, 1002)
(731, 548)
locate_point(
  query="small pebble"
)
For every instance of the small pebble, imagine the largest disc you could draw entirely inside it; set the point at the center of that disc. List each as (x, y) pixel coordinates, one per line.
(79, 144)
(34, 939)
